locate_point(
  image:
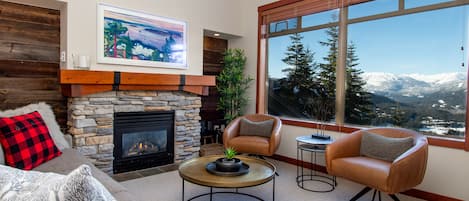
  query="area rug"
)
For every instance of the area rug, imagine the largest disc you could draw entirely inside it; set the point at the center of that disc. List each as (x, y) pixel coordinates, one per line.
(168, 187)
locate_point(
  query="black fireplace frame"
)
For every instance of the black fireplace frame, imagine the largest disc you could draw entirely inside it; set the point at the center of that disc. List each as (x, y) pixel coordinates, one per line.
(125, 122)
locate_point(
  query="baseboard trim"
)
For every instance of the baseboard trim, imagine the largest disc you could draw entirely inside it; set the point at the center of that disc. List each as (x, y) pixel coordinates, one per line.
(412, 192)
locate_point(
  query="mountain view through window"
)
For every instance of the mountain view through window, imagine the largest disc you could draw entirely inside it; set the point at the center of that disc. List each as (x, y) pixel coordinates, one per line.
(407, 71)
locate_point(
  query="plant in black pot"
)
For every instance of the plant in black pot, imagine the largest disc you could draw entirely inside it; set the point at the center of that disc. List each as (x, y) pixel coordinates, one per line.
(228, 163)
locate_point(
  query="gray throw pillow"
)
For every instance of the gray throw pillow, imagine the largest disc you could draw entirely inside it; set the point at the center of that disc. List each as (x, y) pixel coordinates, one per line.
(259, 128)
(384, 148)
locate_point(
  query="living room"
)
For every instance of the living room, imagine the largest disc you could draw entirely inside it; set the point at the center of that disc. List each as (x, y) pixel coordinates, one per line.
(263, 30)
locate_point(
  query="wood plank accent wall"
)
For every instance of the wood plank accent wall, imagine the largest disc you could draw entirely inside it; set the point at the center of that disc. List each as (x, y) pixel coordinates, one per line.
(29, 58)
(213, 64)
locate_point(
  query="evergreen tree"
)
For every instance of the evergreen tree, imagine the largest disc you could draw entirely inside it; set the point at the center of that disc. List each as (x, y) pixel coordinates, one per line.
(358, 101)
(359, 105)
(301, 79)
(398, 117)
(327, 74)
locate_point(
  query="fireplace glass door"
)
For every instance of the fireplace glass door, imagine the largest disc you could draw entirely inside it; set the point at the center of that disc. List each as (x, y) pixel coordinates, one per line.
(143, 143)
(143, 140)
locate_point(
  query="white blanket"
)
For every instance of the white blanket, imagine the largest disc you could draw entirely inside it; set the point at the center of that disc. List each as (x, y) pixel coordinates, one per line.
(19, 185)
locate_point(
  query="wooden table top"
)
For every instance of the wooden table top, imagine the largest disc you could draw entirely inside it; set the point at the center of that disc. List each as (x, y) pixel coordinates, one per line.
(260, 171)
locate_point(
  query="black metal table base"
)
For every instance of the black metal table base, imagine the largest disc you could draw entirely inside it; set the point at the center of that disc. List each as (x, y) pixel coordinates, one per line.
(301, 179)
(314, 175)
(236, 192)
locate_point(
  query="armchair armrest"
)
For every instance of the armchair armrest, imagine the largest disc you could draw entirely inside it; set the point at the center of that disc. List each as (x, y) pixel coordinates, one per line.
(274, 141)
(409, 169)
(347, 146)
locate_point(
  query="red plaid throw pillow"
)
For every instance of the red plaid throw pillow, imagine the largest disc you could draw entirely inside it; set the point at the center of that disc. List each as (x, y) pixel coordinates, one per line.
(26, 141)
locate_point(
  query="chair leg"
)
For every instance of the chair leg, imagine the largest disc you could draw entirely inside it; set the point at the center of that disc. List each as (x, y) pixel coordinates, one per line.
(374, 195)
(394, 197)
(361, 193)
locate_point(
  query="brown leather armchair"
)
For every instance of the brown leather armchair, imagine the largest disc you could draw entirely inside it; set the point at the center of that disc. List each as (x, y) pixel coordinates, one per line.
(405, 172)
(253, 144)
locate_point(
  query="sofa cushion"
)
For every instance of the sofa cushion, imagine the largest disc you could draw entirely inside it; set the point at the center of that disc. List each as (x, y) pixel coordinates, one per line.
(384, 148)
(71, 159)
(257, 128)
(49, 118)
(26, 141)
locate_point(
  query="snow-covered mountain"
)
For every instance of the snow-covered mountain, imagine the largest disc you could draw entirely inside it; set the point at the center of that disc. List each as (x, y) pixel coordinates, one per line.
(413, 84)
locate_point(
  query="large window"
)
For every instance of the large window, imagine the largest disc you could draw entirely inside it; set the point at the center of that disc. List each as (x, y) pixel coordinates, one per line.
(301, 75)
(411, 67)
(404, 67)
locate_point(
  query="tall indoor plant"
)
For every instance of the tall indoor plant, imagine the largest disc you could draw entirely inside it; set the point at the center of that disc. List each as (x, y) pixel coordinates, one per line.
(232, 84)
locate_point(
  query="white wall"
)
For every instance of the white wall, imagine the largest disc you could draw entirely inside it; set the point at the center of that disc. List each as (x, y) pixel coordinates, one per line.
(249, 44)
(219, 15)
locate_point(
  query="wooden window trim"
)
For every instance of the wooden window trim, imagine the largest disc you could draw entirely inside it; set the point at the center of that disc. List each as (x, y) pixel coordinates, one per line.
(261, 86)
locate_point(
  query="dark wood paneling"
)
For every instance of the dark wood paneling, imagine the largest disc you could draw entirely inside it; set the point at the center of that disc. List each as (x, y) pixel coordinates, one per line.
(29, 58)
(23, 13)
(10, 96)
(20, 51)
(213, 58)
(29, 83)
(29, 33)
(10, 68)
(212, 69)
(215, 44)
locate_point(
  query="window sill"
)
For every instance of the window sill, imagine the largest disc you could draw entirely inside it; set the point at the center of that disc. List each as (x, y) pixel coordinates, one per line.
(435, 141)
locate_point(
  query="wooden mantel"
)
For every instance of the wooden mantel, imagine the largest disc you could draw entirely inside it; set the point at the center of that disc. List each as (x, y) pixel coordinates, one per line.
(76, 83)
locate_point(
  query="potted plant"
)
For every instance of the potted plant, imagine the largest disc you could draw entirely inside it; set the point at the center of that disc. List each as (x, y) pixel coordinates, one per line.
(232, 84)
(228, 163)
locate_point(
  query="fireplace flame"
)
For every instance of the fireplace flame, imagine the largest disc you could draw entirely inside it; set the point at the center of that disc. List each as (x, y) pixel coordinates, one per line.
(140, 146)
(143, 147)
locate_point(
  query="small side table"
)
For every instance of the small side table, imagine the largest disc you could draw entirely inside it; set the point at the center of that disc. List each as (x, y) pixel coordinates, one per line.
(314, 146)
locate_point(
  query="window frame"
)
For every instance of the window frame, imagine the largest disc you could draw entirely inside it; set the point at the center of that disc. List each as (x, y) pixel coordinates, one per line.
(263, 35)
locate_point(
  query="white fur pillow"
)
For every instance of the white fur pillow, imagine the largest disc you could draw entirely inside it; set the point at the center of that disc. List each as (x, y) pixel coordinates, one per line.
(49, 118)
(79, 185)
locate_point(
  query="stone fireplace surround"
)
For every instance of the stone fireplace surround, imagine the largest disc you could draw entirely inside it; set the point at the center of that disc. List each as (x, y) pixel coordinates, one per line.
(90, 121)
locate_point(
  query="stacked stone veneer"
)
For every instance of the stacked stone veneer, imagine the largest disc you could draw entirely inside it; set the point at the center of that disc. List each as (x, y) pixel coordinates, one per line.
(90, 121)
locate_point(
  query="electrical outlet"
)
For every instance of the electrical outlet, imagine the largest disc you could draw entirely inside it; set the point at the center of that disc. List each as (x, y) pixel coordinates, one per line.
(63, 56)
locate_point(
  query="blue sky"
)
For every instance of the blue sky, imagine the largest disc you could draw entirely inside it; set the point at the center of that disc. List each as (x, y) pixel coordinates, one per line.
(425, 43)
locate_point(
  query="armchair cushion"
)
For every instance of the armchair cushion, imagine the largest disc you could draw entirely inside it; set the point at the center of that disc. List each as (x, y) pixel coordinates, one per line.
(384, 148)
(259, 128)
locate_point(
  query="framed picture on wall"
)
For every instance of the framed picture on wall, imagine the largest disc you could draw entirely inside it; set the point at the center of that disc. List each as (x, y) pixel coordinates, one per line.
(134, 38)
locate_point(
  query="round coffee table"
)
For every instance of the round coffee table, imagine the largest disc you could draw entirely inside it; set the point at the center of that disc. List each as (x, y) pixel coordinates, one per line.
(260, 172)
